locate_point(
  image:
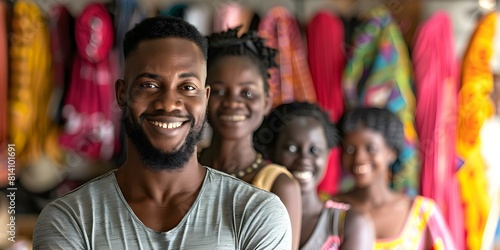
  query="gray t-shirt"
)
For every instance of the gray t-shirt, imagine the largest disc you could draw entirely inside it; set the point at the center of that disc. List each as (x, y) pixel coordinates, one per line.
(227, 214)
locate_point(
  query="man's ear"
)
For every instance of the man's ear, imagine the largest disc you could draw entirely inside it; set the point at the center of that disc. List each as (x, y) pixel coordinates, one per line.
(207, 92)
(120, 92)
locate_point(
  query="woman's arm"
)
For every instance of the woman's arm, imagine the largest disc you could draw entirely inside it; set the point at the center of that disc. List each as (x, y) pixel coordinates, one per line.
(359, 231)
(288, 190)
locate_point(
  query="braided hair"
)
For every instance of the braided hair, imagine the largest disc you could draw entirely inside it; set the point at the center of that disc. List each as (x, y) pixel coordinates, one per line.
(380, 120)
(228, 43)
(266, 137)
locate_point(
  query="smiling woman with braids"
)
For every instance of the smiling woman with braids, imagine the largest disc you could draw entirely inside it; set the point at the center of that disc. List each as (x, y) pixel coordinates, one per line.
(239, 100)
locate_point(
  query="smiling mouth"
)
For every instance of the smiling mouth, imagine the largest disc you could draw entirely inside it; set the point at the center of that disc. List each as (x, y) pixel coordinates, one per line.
(233, 118)
(303, 176)
(362, 169)
(167, 125)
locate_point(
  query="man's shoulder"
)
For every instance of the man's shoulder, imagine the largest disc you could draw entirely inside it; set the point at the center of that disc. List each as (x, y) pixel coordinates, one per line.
(99, 186)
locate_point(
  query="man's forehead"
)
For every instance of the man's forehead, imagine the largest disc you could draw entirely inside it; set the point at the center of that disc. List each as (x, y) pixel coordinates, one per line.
(173, 45)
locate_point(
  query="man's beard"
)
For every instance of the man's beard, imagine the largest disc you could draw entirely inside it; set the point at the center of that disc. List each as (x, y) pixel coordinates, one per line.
(156, 159)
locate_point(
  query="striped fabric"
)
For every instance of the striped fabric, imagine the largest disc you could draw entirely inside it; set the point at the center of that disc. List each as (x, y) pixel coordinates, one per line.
(292, 81)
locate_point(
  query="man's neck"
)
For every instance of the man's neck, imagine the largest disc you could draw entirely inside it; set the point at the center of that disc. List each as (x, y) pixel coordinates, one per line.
(137, 182)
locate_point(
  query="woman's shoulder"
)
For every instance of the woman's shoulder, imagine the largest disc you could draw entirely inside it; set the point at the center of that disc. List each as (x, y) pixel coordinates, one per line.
(274, 176)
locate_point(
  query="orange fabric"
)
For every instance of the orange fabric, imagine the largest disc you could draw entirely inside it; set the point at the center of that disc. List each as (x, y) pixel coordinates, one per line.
(3, 75)
(292, 81)
(30, 126)
(475, 107)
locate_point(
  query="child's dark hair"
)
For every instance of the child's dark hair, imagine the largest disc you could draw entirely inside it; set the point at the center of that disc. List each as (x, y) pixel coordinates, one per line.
(163, 27)
(266, 136)
(249, 44)
(380, 120)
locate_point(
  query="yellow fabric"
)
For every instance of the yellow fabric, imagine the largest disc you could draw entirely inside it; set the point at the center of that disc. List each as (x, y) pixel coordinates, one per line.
(30, 127)
(475, 107)
(266, 176)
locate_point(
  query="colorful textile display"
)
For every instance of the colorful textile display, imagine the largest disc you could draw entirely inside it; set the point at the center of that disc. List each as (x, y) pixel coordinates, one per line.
(292, 81)
(89, 128)
(31, 86)
(475, 107)
(436, 85)
(379, 73)
(325, 34)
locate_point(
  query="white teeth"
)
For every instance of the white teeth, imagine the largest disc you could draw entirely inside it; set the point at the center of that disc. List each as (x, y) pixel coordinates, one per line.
(362, 169)
(233, 118)
(303, 176)
(169, 125)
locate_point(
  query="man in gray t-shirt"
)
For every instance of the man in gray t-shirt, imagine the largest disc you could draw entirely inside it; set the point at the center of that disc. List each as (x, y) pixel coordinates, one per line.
(161, 197)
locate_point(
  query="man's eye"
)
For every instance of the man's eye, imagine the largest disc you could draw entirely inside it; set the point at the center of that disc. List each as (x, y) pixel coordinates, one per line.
(149, 85)
(247, 94)
(189, 88)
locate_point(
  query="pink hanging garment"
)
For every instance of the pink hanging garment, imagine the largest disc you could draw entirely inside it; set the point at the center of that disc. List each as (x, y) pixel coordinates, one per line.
(325, 36)
(89, 128)
(436, 84)
(231, 15)
(292, 80)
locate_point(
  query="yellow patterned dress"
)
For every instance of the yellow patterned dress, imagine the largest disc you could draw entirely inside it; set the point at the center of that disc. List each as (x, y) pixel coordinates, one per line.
(424, 220)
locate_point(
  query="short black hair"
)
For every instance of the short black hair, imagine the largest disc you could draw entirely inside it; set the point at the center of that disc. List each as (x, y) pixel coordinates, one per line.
(228, 43)
(266, 137)
(163, 27)
(380, 120)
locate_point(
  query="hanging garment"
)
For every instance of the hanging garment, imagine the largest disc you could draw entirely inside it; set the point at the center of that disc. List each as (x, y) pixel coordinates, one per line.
(379, 73)
(31, 85)
(325, 36)
(200, 16)
(436, 85)
(231, 15)
(89, 128)
(292, 80)
(176, 10)
(475, 107)
(62, 50)
(490, 140)
(3, 75)
(128, 15)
